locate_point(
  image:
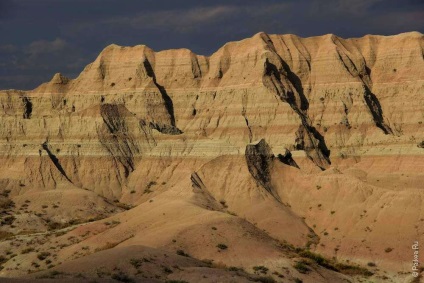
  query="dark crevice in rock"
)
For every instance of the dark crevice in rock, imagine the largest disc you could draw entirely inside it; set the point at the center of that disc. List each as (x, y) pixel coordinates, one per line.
(345, 119)
(168, 103)
(373, 103)
(288, 96)
(297, 83)
(195, 67)
(321, 142)
(312, 142)
(149, 69)
(376, 111)
(287, 159)
(55, 161)
(111, 117)
(203, 197)
(250, 130)
(27, 107)
(197, 183)
(368, 71)
(243, 113)
(348, 64)
(165, 129)
(314, 146)
(102, 70)
(147, 132)
(118, 141)
(224, 62)
(345, 108)
(259, 159)
(166, 98)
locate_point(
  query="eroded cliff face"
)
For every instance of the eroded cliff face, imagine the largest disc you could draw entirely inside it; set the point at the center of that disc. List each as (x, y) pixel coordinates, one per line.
(138, 124)
(324, 96)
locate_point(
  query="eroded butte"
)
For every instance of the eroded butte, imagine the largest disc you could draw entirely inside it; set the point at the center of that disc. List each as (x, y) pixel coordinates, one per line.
(276, 158)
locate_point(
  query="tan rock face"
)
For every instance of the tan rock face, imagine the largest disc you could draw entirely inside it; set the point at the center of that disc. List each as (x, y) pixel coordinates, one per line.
(138, 125)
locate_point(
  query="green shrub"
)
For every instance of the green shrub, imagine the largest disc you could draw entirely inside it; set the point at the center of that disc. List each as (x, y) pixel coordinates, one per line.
(5, 235)
(6, 203)
(371, 264)
(167, 270)
(151, 184)
(107, 246)
(136, 262)
(43, 255)
(27, 250)
(222, 246)
(261, 269)
(339, 267)
(302, 267)
(182, 253)
(352, 269)
(122, 277)
(234, 268)
(8, 220)
(5, 193)
(263, 279)
(51, 275)
(319, 259)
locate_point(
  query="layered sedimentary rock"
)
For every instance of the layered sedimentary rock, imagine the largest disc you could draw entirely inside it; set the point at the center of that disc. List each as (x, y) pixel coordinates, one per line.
(172, 125)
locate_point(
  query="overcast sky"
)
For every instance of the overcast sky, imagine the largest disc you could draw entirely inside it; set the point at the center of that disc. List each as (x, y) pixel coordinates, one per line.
(41, 37)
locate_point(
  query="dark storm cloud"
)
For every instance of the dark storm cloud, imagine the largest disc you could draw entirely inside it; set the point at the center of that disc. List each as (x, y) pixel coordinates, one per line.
(41, 37)
(6, 6)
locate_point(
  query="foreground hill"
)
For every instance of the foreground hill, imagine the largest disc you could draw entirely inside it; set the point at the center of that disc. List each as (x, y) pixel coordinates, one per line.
(275, 158)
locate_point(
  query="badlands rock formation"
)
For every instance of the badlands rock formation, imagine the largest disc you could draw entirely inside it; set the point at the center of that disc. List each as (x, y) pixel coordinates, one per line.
(275, 158)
